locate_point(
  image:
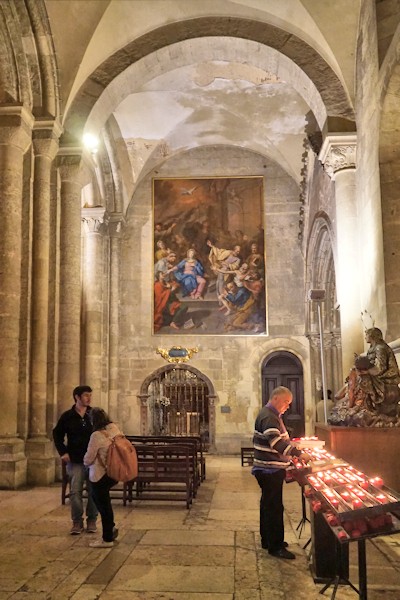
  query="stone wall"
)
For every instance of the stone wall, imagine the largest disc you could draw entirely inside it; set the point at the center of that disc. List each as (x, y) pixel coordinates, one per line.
(232, 363)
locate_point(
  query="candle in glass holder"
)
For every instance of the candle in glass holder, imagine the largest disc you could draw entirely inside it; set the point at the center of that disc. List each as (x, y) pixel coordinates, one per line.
(377, 481)
(357, 503)
(381, 498)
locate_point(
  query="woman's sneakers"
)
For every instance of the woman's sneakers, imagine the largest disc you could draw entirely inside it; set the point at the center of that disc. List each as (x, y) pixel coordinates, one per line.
(101, 544)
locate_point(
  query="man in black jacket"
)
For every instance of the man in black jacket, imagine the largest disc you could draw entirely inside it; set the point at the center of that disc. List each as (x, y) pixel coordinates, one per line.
(75, 425)
(272, 454)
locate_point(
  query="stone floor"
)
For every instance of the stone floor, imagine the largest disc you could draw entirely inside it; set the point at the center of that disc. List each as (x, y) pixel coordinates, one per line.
(165, 552)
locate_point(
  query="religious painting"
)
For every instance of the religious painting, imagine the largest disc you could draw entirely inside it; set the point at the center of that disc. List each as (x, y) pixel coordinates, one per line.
(209, 260)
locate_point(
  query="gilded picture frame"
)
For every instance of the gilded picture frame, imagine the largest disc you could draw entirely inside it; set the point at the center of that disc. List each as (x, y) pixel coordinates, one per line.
(209, 257)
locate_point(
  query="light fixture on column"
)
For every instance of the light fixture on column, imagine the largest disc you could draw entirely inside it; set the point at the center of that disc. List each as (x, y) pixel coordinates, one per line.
(318, 296)
(91, 142)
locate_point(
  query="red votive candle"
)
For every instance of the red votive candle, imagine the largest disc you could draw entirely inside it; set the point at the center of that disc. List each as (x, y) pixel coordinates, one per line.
(381, 498)
(377, 482)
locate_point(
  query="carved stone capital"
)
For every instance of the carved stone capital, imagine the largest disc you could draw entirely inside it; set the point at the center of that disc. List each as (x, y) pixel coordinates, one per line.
(46, 133)
(69, 161)
(94, 219)
(338, 152)
(72, 166)
(16, 124)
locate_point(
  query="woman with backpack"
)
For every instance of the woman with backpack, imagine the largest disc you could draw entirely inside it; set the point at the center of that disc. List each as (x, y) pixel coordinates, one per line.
(96, 459)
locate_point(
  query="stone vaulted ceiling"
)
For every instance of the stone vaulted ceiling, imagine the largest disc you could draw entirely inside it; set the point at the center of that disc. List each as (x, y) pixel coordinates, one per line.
(259, 74)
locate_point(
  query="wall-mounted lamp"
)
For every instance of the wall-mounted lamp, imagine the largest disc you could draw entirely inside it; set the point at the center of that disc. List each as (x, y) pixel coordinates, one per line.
(318, 296)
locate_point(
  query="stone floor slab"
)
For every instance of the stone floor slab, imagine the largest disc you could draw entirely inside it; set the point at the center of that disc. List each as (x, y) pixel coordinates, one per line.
(186, 538)
(172, 578)
(165, 552)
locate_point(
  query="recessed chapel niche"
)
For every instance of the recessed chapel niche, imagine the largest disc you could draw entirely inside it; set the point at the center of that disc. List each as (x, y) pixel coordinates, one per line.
(178, 400)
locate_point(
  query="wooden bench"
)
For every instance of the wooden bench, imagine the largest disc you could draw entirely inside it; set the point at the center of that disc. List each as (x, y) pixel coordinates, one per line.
(194, 442)
(166, 472)
(197, 466)
(247, 455)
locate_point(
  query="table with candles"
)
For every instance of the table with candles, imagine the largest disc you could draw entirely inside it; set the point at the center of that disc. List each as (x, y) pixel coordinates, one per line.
(346, 505)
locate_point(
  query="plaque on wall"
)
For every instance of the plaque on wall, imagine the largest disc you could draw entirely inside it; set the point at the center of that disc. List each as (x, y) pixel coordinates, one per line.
(177, 354)
(209, 259)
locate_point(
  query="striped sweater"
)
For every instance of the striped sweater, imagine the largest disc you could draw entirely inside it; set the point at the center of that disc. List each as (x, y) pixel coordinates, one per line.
(272, 448)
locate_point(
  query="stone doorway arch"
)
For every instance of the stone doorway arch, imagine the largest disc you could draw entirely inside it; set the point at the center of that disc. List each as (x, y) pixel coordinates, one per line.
(178, 400)
(284, 368)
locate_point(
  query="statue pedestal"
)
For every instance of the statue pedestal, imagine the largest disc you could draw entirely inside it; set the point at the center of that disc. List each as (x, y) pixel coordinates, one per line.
(373, 450)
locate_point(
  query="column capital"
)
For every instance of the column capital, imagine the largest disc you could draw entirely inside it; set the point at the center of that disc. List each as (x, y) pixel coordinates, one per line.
(338, 152)
(16, 124)
(94, 219)
(46, 134)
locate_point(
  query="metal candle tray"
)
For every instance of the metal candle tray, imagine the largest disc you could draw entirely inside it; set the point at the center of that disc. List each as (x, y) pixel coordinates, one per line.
(353, 500)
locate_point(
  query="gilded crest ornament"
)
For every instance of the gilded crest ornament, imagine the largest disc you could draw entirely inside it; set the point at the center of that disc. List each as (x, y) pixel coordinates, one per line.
(177, 354)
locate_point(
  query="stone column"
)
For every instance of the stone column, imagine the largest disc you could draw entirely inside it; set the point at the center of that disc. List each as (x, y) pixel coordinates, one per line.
(39, 448)
(15, 138)
(94, 221)
(338, 155)
(115, 229)
(69, 331)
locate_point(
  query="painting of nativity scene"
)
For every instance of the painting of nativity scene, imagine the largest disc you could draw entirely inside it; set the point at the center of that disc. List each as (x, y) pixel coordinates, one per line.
(209, 262)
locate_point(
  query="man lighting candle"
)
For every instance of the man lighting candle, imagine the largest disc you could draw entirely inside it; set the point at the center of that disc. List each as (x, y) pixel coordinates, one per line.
(272, 454)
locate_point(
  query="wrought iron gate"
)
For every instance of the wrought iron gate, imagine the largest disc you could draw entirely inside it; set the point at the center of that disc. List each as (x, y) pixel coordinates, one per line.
(178, 404)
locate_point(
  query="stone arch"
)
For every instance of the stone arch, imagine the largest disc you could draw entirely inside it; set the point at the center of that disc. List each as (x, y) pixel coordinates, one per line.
(316, 68)
(320, 267)
(14, 74)
(248, 59)
(27, 65)
(143, 396)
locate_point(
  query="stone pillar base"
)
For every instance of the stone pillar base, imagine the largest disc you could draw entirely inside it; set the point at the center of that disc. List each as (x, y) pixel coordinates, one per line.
(41, 461)
(12, 463)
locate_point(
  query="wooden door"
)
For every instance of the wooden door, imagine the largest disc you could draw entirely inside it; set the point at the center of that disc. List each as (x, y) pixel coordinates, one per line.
(284, 368)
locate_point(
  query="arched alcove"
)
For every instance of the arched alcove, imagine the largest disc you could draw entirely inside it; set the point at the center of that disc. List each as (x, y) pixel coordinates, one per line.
(321, 276)
(178, 400)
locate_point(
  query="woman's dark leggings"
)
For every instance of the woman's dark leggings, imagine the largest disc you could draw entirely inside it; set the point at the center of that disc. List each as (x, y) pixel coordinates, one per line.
(101, 497)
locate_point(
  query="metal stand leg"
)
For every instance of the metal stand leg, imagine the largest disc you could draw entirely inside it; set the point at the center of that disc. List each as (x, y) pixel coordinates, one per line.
(362, 570)
(339, 579)
(304, 519)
